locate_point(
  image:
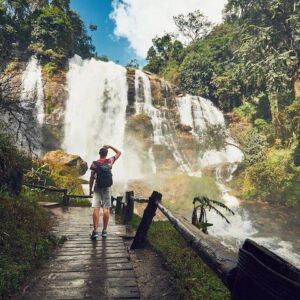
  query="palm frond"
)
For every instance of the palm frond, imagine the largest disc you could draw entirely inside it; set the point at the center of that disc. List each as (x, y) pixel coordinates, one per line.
(218, 213)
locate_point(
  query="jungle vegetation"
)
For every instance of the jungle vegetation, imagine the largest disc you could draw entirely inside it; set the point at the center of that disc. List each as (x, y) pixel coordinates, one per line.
(249, 67)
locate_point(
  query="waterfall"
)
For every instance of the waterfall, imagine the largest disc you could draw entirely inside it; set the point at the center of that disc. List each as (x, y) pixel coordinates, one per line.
(162, 128)
(32, 96)
(95, 109)
(199, 114)
(32, 87)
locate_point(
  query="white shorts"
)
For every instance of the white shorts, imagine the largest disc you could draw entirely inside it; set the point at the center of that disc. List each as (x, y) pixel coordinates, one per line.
(102, 198)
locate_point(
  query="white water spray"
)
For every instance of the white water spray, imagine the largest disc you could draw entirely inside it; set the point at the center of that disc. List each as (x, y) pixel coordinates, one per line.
(95, 110)
(32, 87)
(162, 131)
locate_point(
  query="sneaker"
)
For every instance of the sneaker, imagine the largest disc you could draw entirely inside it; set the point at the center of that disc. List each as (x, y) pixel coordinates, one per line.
(104, 232)
(94, 235)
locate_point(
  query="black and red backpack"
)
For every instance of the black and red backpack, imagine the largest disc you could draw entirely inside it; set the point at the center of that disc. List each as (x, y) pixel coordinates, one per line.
(104, 175)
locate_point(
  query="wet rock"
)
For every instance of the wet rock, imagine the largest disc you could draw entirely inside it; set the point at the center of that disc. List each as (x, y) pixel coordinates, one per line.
(164, 158)
(184, 128)
(130, 110)
(66, 163)
(55, 96)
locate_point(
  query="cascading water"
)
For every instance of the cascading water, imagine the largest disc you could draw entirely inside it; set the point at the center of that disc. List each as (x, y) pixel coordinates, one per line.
(199, 114)
(32, 94)
(95, 111)
(96, 115)
(162, 132)
(32, 87)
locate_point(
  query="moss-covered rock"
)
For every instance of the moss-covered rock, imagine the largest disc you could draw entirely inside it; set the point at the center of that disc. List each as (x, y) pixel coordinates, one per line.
(66, 163)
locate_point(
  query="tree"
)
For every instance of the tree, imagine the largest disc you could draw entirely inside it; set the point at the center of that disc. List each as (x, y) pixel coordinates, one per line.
(203, 204)
(165, 49)
(193, 26)
(93, 27)
(133, 64)
(61, 4)
(52, 30)
(16, 114)
(82, 43)
(270, 48)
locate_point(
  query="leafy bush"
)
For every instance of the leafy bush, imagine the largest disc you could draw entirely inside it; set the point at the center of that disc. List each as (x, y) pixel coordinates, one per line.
(50, 68)
(52, 29)
(254, 146)
(296, 155)
(13, 164)
(269, 179)
(25, 241)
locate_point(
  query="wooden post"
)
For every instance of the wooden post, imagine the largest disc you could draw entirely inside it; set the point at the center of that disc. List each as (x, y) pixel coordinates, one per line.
(119, 205)
(66, 199)
(129, 207)
(149, 213)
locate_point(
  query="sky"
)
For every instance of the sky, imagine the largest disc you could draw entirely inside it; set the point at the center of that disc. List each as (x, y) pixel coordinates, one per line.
(127, 27)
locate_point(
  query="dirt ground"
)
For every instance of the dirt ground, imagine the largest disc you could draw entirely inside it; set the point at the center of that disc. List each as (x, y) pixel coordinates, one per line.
(154, 280)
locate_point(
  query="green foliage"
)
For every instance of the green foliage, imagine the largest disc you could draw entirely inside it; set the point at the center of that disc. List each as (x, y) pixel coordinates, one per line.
(194, 280)
(50, 68)
(102, 58)
(273, 179)
(254, 146)
(13, 164)
(188, 187)
(165, 50)
(133, 64)
(296, 155)
(193, 26)
(51, 30)
(201, 204)
(25, 241)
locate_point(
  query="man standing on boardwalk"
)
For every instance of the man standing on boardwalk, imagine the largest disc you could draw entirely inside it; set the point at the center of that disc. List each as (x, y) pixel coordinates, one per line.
(101, 171)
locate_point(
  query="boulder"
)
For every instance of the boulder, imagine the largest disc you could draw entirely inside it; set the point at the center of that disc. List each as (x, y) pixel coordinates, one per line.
(66, 163)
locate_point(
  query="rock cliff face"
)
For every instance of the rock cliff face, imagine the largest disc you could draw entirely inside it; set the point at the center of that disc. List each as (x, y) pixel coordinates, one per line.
(163, 125)
(55, 96)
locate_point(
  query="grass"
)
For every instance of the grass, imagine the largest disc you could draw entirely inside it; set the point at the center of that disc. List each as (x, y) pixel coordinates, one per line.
(25, 241)
(194, 280)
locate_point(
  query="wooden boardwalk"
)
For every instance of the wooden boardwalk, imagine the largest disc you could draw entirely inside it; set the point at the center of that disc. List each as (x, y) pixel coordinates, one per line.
(85, 269)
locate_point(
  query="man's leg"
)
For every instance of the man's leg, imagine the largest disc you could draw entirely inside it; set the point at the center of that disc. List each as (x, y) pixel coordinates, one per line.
(96, 208)
(96, 218)
(105, 217)
(106, 197)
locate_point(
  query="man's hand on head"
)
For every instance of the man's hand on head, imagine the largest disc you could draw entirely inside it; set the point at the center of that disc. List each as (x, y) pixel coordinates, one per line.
(106, 146)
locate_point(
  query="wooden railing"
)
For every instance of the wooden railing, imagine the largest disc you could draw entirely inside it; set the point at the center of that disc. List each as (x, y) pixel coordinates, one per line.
(219, 258)
(66, 196)
(254, 273)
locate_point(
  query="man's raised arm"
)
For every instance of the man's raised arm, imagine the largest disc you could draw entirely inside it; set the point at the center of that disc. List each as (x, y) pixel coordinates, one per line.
(118, 152)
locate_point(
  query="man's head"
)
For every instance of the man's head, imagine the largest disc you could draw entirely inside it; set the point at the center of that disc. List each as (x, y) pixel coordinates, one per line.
(103, 152)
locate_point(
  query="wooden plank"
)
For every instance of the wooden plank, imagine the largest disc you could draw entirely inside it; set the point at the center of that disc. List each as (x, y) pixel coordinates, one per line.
(91, 266)
(88, 275)
(109, 282)
(105, 256)
(84, 293)
(91, 251)
(118, 260)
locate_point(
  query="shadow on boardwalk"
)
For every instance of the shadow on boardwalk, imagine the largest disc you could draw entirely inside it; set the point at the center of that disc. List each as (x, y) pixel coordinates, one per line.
(82, 268)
